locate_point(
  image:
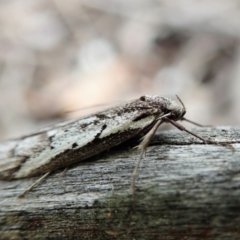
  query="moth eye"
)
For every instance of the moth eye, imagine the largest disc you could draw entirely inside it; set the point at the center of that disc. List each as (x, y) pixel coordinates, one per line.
(143, 98)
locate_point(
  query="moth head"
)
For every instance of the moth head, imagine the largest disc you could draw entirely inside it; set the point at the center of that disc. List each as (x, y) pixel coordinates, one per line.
(177, 111)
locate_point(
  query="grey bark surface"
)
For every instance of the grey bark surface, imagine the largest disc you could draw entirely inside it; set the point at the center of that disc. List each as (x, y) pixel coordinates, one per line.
(185, 190)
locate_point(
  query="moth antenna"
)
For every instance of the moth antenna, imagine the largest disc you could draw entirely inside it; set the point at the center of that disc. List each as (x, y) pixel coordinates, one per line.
(181, 102)
(93, 106)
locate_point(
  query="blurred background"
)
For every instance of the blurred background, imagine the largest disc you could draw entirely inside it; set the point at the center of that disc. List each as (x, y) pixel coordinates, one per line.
(64, 56)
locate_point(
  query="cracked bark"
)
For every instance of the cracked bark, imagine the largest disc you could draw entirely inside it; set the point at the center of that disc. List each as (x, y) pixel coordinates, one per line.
(184, 190)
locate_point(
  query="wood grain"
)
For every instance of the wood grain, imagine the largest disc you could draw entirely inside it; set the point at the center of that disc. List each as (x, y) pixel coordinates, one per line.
(185, 190)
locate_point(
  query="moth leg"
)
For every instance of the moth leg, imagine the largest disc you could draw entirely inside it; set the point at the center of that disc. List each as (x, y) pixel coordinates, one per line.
(194, 123)
(143, 146)
(40, 180)
(147, 138)
(60, 175)
(182, 128)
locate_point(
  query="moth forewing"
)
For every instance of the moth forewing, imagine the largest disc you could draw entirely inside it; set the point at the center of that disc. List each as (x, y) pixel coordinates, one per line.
(64, 145)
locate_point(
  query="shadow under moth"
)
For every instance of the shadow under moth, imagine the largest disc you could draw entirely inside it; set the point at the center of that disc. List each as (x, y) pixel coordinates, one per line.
(70, 142)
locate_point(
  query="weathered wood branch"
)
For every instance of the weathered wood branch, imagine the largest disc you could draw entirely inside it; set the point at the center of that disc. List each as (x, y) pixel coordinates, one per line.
(185, 190)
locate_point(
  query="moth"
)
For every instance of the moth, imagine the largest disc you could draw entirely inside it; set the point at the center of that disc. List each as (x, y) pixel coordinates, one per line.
(71, 142)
